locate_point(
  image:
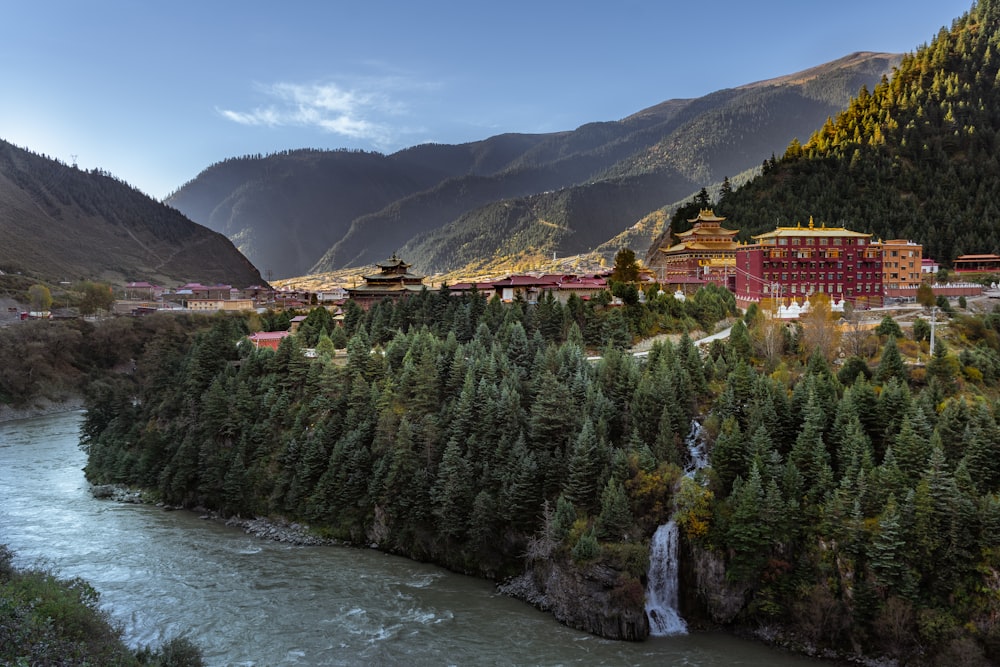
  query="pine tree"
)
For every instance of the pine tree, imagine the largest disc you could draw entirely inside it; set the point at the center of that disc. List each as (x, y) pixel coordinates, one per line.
(747, 534)
(452, 493)
(729, 457)
(890, 365)
(888, 554)
(584, 470)
(615, 520)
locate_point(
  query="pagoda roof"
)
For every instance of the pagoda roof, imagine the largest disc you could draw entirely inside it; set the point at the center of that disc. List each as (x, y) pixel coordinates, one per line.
(386, 288)
(706, 215)
(391, 277)
(707, 231)
(392, 263)
(713, 246)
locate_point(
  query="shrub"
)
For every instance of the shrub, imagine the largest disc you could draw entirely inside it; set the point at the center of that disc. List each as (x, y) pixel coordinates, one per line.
(587, 548)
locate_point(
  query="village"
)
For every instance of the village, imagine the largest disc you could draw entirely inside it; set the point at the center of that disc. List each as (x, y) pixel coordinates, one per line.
(782, 269)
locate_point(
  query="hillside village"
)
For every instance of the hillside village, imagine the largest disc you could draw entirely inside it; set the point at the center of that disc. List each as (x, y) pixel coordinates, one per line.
(781, 269)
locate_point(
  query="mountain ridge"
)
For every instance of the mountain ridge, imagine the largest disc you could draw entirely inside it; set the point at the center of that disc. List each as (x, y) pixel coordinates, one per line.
(59, 223)
(475, 176)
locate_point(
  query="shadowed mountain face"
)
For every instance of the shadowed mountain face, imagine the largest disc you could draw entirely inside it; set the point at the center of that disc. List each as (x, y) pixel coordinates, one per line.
(450, 206)
(58, 223)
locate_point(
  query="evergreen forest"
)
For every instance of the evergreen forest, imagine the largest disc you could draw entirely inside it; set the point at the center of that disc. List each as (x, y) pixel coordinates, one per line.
(914, 158)
(853, 506)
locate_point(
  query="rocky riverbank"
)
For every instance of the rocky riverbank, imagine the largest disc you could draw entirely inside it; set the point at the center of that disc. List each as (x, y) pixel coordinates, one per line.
(39, 408)
(277, 530)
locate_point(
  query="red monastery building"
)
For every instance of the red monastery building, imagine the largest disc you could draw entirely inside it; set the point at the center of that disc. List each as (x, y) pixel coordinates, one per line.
(792, 263)
(705, 253)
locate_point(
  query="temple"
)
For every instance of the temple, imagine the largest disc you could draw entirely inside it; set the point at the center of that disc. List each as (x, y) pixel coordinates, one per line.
(392, 282)
(792, 263)
(705, 253)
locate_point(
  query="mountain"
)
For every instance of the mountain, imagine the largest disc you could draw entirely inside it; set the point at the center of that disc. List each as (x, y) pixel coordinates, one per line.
(59, 223)
(915, 158)
(447, 206)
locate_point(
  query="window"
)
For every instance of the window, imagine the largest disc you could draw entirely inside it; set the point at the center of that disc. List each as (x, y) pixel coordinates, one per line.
(782, 241)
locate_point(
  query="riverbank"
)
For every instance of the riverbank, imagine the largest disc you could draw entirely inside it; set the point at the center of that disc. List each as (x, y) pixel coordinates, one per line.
(39, 407)
(276, 530)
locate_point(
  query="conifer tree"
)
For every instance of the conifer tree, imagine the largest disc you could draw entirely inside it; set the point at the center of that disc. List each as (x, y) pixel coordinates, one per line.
(584, 470)
(890, 365)
(615, 519)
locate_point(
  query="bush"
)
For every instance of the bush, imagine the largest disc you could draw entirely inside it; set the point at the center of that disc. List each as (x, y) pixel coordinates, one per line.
(45, 620)
(889, 327)
(587, 548)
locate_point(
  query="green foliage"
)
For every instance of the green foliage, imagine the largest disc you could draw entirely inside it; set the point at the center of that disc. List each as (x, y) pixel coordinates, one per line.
(626, 269)
(587, 548)
(39, 298)
(45, 620)
(889, 327)
(914, 158)
(925, 295)
(860, 512)
(95, 297)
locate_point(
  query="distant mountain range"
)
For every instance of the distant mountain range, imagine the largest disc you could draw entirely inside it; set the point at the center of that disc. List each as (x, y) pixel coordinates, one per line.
(511, 198)
(59, 223)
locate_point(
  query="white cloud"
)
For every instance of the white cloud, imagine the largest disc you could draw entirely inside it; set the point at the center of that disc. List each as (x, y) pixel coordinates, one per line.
(328, 107)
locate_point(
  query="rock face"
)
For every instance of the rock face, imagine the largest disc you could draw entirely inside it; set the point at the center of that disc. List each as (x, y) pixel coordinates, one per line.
(721, 600)
(116, 492)
(593, 598)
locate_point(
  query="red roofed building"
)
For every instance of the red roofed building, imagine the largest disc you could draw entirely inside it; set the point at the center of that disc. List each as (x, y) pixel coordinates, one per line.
(528, 287)
(269, 339)
(583, 286)
(977, 264)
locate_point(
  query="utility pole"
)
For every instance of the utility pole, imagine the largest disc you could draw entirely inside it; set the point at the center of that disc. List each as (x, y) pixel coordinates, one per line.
(933, 321)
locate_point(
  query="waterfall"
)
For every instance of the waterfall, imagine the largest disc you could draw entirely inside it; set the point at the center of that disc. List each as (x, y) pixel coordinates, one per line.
(664, 560)
(697, 449)
(661, 590)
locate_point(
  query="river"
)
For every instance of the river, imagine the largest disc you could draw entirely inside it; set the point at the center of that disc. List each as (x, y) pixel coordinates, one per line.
(247, 601)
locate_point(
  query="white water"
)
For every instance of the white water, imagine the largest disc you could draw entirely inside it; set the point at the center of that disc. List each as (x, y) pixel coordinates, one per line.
(248, 602)
(661, 591)
(664, 561)
(697, 449)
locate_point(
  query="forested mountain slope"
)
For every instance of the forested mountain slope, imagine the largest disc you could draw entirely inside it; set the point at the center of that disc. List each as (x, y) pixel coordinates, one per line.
(916, 157)
(320, 211)
(851, 510)
(58, 223)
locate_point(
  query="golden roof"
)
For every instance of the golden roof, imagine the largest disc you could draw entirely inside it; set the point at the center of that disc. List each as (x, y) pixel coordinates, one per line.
(706, 215)
(811, 231)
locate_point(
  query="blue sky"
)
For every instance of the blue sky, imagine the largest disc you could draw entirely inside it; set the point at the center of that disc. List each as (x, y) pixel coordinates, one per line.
(154, 92)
